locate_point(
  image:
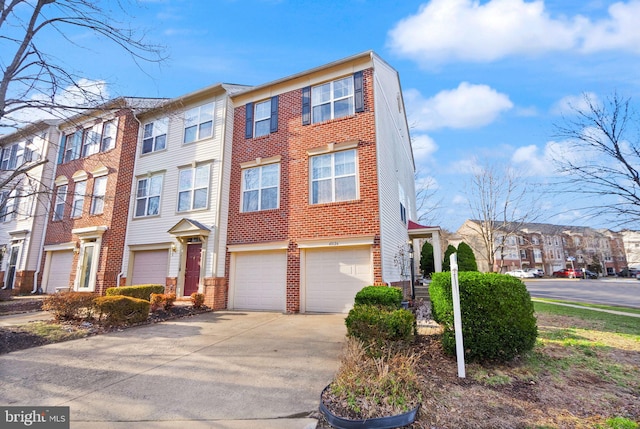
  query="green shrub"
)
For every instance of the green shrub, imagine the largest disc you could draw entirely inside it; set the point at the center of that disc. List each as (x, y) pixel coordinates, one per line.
(379, 327)
(497, 315)
(138, 291)
(197, 300)
(381, 296)
(162, 300)
(69, 305)
(121, 309)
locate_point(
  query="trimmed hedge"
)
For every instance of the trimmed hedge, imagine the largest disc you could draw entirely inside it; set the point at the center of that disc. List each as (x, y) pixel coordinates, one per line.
(498, 321)
(69, 305)
(381, 327)
(121, 309)
(137, 291)
(382, 296)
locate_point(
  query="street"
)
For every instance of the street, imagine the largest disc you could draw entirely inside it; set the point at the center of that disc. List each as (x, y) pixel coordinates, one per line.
(608, 291)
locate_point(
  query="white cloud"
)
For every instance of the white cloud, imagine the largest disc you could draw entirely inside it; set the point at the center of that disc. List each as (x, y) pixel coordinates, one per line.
(467, 106)
(466, 30)
(572, 103)
(423, 149)
(459, 199)
(465, 166)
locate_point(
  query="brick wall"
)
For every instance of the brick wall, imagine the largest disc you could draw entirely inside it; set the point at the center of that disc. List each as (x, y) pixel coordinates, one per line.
(296, 219)
(120, 163)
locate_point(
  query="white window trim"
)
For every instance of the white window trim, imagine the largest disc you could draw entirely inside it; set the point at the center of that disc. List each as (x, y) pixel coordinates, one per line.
(78, 198)
(192, 190)
(333, 100)
(333, 177)
(257, 119)
(199, 122)
(96, 197)
(148, 177)
(60, 201)
(260, 188)
(154, 135)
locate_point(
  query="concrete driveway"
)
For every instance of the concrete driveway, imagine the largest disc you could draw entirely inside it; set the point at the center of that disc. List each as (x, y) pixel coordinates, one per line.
(215, 370)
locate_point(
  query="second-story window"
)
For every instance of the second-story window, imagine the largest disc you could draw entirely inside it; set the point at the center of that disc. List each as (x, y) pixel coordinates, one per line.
(148, 196)
(261, 118)
(91, 140)
(99, 192)
(61, 197)
(193, 188)
(198, 123)
(260, 188)
(9, 205)
(333, 177)
(155, 136)
(78, 199)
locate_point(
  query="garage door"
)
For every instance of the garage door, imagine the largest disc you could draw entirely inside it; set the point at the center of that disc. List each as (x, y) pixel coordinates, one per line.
(59, 270)
(334, 276)
(260, 280)
(150, 267)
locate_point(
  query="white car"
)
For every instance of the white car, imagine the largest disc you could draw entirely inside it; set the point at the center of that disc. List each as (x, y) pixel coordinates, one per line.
(521, 274)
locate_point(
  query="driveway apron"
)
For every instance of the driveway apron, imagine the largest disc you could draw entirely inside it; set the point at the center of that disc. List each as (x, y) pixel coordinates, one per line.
(216, 370)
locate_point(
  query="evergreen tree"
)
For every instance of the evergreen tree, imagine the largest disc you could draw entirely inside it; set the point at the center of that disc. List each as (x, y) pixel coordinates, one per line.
(427, 266)
(466, 258)
(446, 265)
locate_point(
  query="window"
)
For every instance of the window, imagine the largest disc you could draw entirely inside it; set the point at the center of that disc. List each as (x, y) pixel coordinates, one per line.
(534, 240)
(78, 199)
(6, 209)
(99, 191)
(198, 123)
(333, 177)
(148, 196)
(73, 143)
(12, 156)
(260, 188)
(261, 118)
(91, 140)
(403, 214)
(109, 131)
(331, 100)
(523, 254)
(193, 188)
(61, 196)
(155, 136)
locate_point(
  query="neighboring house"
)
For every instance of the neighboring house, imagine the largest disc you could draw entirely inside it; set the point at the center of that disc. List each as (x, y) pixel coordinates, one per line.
(27, 161)
(85, 235)
(550, 247)
(179, 196)
(631, 241)
(322, 188)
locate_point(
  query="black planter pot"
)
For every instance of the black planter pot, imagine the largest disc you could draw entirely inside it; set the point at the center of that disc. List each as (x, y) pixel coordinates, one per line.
(388, 422)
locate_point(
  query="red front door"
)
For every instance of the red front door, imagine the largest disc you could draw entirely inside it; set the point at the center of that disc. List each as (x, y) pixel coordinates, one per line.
(192, 269)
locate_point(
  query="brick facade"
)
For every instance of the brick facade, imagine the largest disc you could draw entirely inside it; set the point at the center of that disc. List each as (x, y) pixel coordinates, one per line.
(296, 219)
(119, 162)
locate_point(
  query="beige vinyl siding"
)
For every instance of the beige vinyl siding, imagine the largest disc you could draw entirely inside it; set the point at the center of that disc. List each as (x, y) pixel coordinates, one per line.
(395, 166)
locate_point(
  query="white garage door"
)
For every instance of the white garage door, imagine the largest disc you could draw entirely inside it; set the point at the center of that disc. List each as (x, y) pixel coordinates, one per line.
(150, 267)
(59, 270)
(260, 280)
(334, 276)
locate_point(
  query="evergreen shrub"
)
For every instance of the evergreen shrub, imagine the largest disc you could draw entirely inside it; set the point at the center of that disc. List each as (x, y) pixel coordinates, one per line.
(121, 309)
(498, 321)
(380, 327)
(69, 305)
(136, 291)
(381, 296)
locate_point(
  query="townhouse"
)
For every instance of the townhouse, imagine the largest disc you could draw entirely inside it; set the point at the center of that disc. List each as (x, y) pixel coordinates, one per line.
(177, 223)
(85, 233)
(322, 188)
(27, 161)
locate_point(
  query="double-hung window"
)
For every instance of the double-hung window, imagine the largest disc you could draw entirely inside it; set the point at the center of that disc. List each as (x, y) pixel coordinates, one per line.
(148, 196)
(109, 132)
(12, 156)
(261, 118)
(99, 192)
(332, 100)
(6, 206)
(61, 197)
(73, 145)
(193, 188)
(91, 140)
(155, 136)
(260, 188)
(333, 177)
(78, 199)
(198, 123)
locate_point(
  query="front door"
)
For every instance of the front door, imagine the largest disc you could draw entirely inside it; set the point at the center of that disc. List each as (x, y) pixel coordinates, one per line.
(11, 267)
(192, 268)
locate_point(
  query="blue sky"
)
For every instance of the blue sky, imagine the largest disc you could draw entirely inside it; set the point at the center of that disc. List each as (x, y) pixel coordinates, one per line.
(481, 79)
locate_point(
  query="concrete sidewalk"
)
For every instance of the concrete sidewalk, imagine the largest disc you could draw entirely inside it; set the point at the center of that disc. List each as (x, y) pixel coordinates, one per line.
(215, 370)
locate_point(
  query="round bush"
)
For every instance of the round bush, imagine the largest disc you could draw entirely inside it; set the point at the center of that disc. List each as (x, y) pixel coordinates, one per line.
(121, 309)
(497, 315)
(382, 296)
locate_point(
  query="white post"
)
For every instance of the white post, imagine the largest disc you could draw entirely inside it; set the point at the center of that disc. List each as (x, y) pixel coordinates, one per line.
(457, 317)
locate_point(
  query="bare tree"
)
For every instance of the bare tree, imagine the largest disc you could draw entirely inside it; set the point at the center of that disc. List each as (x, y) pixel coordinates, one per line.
(602, 161)
(428, 204)
(32, 78)
(501, 203)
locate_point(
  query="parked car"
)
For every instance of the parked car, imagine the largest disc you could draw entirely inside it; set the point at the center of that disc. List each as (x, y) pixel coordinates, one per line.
(590, 274)
(628, 272)
(522, 274)
(537, 272)
(567, 273)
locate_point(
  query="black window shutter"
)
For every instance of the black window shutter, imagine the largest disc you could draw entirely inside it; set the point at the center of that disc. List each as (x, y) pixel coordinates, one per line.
(306, 105)
(358, 96)
(62, 147)
(274, 114)
(248, 127)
